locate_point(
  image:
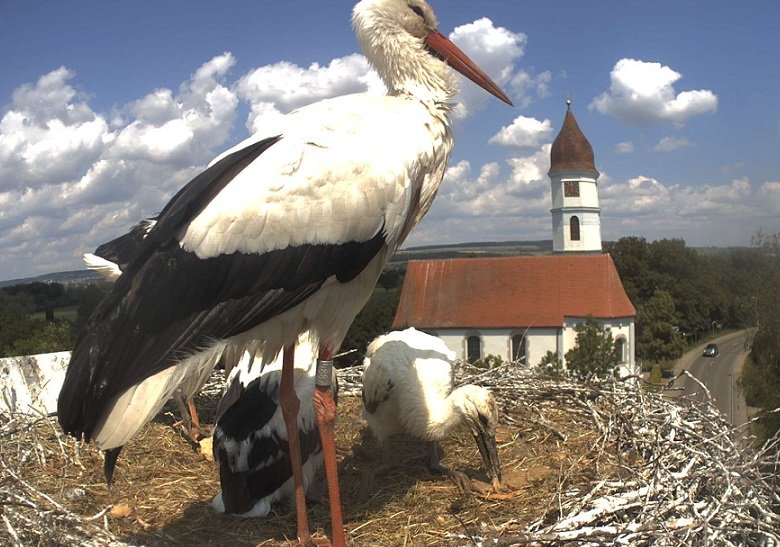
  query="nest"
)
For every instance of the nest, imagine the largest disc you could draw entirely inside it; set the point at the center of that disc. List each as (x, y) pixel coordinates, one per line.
(603, 462)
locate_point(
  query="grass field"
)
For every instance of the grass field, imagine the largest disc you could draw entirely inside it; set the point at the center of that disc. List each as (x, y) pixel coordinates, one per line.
(69, 313)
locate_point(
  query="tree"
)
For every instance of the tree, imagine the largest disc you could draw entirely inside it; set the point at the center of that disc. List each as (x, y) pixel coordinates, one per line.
(551, 364)
(390, 278)
(15, 320)
(659, 338)
(595, 353)
(54, 336)
(762, 379)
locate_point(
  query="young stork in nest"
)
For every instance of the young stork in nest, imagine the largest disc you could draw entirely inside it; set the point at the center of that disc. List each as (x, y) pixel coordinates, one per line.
(250, 437)
(408, 389)
(285, 233)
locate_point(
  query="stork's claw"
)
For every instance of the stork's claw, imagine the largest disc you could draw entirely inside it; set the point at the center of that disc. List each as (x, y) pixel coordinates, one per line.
(462, 481)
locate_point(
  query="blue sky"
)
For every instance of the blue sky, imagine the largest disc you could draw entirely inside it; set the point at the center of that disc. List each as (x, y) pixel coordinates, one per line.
(106, 108)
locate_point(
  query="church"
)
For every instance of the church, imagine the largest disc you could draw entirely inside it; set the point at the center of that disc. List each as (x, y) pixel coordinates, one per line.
(519, 308)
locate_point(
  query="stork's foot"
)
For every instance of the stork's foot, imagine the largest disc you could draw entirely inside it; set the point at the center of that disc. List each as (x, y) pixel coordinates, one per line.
(315, 542)
(461, 480)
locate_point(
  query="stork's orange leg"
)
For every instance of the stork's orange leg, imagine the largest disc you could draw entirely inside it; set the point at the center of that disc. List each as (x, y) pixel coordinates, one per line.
(290, 404)
(325, 410)
(196, 433)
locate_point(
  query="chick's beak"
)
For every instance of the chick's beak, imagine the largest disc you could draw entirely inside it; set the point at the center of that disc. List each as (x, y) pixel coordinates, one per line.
(486, 441)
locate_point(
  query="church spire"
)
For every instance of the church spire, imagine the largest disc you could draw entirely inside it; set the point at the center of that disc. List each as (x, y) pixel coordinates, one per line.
(571, 150)
(576, 215)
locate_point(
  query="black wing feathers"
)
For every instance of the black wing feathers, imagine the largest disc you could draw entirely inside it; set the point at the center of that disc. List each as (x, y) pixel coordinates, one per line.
(168, 303)
(122, 249)
(102, 362)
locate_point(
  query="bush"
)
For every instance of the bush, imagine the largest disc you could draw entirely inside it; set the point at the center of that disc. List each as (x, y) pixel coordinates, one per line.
(595, 353)
(488, 362)
(552, 365)
(54, 336)
(656, 376)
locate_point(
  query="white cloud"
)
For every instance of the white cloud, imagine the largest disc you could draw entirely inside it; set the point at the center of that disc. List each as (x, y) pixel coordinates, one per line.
(486, 204)
(75, 179)
(624, 147)
(48, 134)
(636, 196)
(185, 128)
(670, 144)
(276, 89)
(642, 92)
(524, 132)
(490, 205)
(524, 82)
(495, 50)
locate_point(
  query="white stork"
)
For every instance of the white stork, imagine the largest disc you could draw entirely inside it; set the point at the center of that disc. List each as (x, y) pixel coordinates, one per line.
(408, 389)
(286, 232)
(250, 437)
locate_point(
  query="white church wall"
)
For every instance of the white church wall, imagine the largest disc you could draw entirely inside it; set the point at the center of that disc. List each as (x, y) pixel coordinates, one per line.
(499, 342)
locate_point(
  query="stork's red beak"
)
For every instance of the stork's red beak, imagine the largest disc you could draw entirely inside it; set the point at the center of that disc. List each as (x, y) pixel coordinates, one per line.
(461, 62)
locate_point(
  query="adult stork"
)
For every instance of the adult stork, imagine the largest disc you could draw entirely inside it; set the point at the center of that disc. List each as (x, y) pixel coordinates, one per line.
(408, 389)
(284, 233)
(250, 437)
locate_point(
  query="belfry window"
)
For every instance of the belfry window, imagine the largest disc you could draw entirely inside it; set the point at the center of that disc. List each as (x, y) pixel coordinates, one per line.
(518, 348)
(473, 348)
(574, 228)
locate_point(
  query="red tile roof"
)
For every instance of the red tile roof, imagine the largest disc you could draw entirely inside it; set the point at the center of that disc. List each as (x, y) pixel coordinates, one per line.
(512, 292)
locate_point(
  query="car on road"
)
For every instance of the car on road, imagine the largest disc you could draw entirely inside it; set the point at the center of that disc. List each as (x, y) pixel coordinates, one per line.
(711, 350)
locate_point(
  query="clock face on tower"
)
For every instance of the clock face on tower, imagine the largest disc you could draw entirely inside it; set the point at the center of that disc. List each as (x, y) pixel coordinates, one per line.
(571, 189)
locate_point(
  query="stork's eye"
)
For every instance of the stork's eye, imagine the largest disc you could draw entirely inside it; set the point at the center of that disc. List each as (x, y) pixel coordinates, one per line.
(418, 10)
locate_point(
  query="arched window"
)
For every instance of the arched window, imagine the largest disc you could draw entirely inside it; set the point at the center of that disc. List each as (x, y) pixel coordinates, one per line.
(518, 348)
(620, 344)
(473, 348)
(574, 228)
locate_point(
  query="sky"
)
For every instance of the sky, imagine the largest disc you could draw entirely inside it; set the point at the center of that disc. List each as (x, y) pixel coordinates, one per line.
(108, 108)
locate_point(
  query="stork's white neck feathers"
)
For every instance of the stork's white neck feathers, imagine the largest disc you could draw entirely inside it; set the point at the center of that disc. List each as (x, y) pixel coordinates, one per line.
(446, 414)
(392, 36)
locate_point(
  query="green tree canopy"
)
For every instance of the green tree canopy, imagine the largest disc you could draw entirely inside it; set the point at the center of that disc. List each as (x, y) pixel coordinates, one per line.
(595, 353)
(660, 338)
(763, 378)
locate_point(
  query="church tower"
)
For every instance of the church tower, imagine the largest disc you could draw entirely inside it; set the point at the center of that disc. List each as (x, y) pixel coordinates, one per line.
(576, 215)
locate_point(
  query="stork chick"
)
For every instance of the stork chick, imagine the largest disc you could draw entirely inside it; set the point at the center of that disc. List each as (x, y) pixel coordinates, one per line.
(250, 437)
(408, 389)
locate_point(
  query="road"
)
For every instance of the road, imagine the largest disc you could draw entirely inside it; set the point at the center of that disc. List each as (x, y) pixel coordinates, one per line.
(719, 374)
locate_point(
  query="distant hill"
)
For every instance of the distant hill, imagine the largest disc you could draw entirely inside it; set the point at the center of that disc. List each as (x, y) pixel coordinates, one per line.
(427, 252)
(484, 249)
(66, 278)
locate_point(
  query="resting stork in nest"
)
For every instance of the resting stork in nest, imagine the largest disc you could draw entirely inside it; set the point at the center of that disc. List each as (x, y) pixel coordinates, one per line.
(250, 437)
(408, 389)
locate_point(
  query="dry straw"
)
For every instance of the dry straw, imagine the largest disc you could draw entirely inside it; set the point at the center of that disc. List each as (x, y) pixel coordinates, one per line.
(606, 462)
